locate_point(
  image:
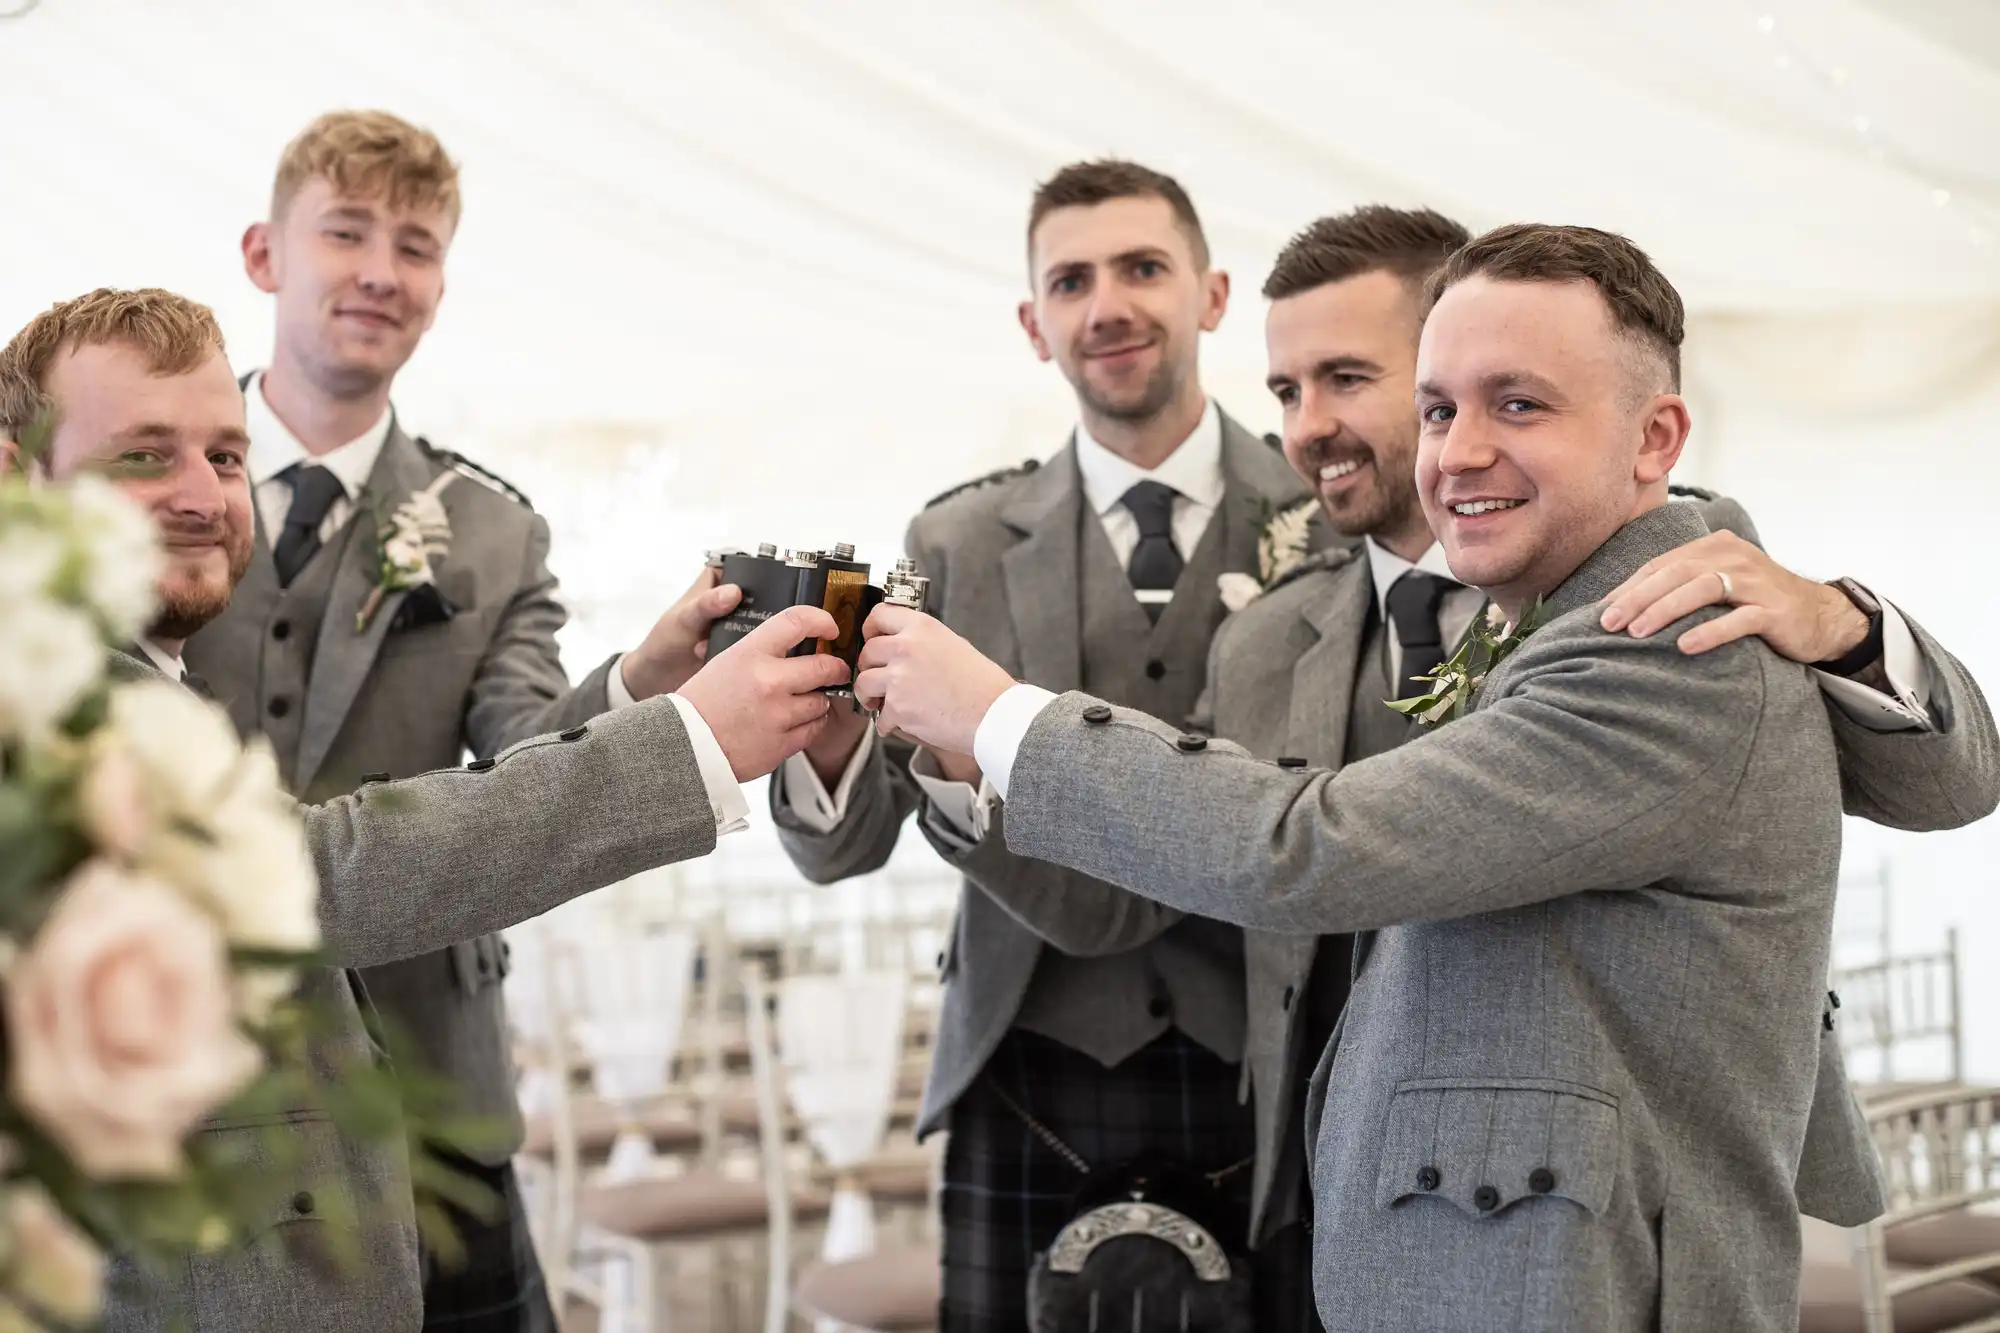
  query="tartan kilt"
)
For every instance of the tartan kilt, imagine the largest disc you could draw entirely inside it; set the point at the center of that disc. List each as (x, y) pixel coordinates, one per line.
(1006, 1193)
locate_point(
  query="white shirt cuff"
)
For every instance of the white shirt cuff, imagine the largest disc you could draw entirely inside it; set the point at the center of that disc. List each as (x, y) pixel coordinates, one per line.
(965, 812)
(1003, 729)
(614, 687)
(725, 793)
(1907, 706)
(807, 797)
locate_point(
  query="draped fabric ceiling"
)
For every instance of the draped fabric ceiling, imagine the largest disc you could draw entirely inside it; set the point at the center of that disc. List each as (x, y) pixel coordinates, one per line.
(742, 271)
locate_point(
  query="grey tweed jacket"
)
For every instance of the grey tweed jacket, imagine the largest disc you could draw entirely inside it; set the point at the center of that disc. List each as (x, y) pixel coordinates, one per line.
(1281, 672)
(1572, 1084)
(408, 695)
(406, 868)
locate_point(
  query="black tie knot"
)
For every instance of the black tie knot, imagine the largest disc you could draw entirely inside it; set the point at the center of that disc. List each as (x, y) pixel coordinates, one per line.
(1152, 504)
(314, 490)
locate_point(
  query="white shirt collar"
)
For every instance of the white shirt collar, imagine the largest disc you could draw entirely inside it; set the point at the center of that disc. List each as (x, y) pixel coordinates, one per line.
(273, 447)
(1387, 567)
(170, 666)
(1194, 468)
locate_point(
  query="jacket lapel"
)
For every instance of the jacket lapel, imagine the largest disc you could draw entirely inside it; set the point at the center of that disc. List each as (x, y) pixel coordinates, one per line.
(1323, 678)
(344, 657)
(1040, 572)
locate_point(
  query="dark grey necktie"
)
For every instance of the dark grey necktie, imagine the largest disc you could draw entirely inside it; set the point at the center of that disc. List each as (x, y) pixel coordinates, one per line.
(1413, 603)
(314, 489)
(196, 683)
(1155, 565)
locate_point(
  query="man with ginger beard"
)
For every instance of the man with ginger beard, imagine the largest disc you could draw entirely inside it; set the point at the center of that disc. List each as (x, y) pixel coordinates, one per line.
(143, 393)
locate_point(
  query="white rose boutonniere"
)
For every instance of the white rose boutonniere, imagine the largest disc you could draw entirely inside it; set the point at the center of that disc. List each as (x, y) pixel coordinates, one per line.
(1489, 642)
(1282, 546)
(418, 532)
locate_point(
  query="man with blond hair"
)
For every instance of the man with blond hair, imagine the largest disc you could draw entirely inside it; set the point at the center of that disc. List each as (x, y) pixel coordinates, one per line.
(143, 394)
(347, 672)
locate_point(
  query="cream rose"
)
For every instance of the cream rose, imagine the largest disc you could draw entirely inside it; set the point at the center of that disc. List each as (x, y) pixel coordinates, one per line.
(52, 1265)
(121, 1029)
(122, 553)
(49, 656)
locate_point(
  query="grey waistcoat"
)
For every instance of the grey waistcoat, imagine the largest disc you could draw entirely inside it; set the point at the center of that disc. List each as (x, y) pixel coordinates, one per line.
(1192, 976)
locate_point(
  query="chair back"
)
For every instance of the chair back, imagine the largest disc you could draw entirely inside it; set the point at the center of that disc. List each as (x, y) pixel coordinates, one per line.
(1940, 1153)
(1888, 1007)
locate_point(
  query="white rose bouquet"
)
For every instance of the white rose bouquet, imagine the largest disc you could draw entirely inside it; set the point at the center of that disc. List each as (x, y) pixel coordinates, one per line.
(156, 902)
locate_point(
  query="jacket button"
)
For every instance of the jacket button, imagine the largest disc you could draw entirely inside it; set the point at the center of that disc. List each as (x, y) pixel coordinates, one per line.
(302, 1202)
(1486, 1198)
(1097, 715)
(1286, 1003)
(573, 734)
(1541, 1180)
(1157, 1007)
(1192, 743)
(940, 960)
(1155, 669)
(279, 706)
(1428, 1178)
(281, 630)
(367, 778)
(1291, 761)
(479, 765)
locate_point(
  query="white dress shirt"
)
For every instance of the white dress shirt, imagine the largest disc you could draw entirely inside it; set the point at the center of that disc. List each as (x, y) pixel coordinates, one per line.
(170, 666)
(274, 450)
(957, 810)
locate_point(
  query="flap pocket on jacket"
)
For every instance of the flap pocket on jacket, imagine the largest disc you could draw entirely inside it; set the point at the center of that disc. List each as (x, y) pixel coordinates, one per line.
(1486, 1144)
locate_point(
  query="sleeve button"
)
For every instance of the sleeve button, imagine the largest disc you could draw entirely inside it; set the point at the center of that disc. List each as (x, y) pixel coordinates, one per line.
(1192, 744)
(1097, 715)
(1486, 1198)
(1428, 1178)
(573, 734)
(1541, 1180)
(479, 765)
(367, 778)
(1291, 761)
(302, 1202)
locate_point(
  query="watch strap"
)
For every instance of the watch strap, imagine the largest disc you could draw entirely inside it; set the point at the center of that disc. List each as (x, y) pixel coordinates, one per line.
(1869, 650)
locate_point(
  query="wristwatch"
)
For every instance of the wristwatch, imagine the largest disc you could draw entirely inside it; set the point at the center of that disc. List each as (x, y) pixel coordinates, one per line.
(1869, 650)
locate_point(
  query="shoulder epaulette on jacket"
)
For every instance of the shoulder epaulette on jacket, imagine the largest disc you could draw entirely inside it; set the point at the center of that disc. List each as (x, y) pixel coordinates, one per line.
(1004, 474)
(1691, 492)
(460, 463)
(1332, 557)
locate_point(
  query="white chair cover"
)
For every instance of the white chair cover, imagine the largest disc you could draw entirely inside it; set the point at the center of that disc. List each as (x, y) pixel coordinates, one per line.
(635, 993)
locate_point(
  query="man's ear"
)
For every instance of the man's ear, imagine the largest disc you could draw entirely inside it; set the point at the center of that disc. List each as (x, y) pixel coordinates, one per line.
(1033, 327)
(1215, 299)
(1663, 433)
(257, 257)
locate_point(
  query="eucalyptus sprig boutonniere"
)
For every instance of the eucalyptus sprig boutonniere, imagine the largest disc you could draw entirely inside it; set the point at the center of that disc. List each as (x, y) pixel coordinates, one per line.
(1283, 543)
(1486, 645)
(405, 544)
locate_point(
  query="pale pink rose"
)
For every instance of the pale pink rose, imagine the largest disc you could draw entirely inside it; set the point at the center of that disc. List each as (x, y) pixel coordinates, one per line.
(117, 810)
(54, 1266)
(121, 1030)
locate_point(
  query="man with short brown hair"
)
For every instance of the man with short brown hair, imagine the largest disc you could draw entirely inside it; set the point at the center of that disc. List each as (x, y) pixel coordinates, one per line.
(1071, 1005)
(1594, 899)
(350, 674)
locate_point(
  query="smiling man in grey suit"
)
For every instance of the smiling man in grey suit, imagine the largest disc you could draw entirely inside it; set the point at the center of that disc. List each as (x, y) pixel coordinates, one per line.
(347, 681)
(1573, 1082)
(143, 392)
(1300, 675)
(1097, 570)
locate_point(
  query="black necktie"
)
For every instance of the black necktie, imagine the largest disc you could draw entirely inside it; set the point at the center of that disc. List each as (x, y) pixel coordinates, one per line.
(196, 683)
(1413, 601)
(1155, 564)
(314, 489)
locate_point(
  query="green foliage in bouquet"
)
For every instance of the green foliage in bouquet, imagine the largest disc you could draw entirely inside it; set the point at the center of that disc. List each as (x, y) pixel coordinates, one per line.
(1458, 681)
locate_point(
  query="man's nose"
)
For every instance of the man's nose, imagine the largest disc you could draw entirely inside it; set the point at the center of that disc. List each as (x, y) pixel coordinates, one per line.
(197, 490)
(1110, 304)
(1468, 447)
(377, 275)
(1317, 417)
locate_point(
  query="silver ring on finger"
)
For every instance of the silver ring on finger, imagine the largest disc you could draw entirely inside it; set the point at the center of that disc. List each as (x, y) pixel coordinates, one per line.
(1728, 588)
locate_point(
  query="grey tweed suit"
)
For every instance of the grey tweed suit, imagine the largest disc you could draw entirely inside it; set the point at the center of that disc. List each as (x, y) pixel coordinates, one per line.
(1280, 675)
(407, 868)
(1572, 1084)
(397, 699)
